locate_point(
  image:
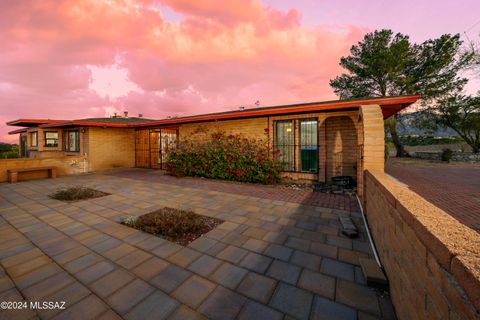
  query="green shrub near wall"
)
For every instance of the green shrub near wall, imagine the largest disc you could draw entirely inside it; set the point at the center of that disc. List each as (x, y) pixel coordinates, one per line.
(218, 155)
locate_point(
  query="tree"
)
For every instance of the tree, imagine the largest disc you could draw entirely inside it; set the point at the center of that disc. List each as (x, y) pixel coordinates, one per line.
(384, 64)
(459, 112)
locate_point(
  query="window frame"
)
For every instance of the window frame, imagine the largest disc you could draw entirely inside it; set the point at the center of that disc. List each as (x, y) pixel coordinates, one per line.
(55, 145)
(292, 146)
(67, 140)
(296, 164)
(299, 147)
(31, 134)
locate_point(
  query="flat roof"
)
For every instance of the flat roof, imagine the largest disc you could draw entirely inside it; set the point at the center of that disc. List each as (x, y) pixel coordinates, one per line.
(389, 106)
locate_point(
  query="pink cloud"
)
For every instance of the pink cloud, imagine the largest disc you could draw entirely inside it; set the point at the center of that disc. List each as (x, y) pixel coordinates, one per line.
(215, 58)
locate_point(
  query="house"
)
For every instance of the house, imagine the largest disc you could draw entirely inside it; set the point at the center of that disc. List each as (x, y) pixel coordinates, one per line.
(316, 140)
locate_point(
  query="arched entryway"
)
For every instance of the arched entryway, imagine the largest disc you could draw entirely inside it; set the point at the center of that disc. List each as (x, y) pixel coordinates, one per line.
(341, 147)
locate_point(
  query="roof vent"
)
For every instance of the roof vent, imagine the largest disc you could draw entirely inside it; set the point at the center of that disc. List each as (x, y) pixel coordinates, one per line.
(140, 115)
(241, 108)
(125, 113)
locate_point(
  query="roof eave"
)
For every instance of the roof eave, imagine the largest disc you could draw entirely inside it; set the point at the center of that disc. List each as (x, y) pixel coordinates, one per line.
(390, 103)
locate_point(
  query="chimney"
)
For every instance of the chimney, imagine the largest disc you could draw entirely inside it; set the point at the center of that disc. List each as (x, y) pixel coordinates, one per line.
(125, 113)
(140, 115)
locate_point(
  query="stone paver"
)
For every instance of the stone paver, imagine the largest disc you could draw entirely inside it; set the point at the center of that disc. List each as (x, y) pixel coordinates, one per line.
(272, 258)
(193, 291)
(222, 304)
(293, 301)
(257, 287)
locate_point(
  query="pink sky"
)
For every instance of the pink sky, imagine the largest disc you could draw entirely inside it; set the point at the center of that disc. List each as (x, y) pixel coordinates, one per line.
(65, 59)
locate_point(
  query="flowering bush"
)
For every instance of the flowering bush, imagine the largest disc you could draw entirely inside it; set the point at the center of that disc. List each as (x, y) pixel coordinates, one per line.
(218, 155)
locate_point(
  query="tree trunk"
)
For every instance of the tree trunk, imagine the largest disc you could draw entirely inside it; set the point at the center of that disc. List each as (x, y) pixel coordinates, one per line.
(391, 124)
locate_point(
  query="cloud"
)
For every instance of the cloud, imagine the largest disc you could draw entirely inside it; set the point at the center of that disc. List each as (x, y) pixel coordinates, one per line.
(73, 59)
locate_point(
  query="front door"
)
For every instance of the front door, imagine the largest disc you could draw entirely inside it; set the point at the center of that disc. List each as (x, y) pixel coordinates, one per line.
(152, 147)
(168, 140)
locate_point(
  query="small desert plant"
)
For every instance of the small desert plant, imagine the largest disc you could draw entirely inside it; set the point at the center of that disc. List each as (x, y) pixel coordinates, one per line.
(77, 193)
(130, 221)
(446, 155)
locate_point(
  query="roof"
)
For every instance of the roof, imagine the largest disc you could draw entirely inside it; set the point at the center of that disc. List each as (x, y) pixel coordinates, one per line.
(22, 130)
(32, 122)
(118, 120)
(389, 105)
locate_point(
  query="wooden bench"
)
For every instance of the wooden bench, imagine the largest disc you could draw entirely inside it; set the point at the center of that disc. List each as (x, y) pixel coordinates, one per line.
(13, 173)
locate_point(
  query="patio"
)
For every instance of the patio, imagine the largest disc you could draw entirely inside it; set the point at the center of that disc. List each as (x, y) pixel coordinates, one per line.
(278, 255)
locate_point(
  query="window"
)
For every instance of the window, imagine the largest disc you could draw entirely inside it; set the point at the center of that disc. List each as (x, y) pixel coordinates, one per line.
(284, 143)
(309, 145)
(51, 139)
(72, 143)
(296, 142)
(34, 139)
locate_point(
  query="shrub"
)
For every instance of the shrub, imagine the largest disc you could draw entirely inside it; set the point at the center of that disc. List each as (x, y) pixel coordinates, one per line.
(9, 155)
(77, 193)
(172, 224)
(217, 155)
(446, 155)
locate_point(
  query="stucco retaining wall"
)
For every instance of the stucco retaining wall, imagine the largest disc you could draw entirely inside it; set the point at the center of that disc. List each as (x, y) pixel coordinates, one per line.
(65, 166)
(432, 261)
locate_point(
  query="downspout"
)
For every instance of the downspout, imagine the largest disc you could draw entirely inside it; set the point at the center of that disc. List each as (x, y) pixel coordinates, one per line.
(374, 249)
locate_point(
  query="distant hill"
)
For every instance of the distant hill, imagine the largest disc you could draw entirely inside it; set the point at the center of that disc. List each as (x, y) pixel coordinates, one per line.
(405, 127)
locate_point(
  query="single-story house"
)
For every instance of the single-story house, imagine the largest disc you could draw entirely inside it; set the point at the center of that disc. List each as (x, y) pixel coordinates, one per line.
(316, 141)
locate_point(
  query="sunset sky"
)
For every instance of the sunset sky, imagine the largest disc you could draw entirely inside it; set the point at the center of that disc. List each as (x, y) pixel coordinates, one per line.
(67, 59)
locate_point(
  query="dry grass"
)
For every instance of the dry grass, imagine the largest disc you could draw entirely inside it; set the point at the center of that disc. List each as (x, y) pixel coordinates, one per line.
(77, 193)
(175, 225)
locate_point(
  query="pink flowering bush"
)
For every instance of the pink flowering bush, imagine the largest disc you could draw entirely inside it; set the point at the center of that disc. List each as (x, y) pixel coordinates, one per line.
(218, 155)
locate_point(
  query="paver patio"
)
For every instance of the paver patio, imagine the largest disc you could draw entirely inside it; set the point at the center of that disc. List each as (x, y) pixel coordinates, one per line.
(455, 189)
(270, 259)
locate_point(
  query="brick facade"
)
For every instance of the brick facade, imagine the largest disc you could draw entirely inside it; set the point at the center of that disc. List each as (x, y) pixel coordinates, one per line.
(432, 261)
(110, 148)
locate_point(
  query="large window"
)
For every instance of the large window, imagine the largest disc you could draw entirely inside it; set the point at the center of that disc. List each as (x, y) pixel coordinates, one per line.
(51, 139)
(296, 142)
(284, 143)
(72, 141)
(34, 139)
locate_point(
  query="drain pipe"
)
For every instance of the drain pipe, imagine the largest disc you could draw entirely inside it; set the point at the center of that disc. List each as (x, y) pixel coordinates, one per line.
(368, 233)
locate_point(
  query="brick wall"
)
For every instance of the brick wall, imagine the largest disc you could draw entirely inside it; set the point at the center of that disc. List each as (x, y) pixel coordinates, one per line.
(65, 166)
(109, 148)
(254, 128)
(371, 142)
(432, 261)
(341, 147)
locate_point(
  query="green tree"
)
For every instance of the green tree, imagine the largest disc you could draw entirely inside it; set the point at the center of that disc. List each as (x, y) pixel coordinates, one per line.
(388, 64)
(459, 112)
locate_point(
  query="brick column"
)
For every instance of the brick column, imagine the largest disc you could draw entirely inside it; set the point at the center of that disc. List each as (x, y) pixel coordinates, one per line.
(371, 139)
